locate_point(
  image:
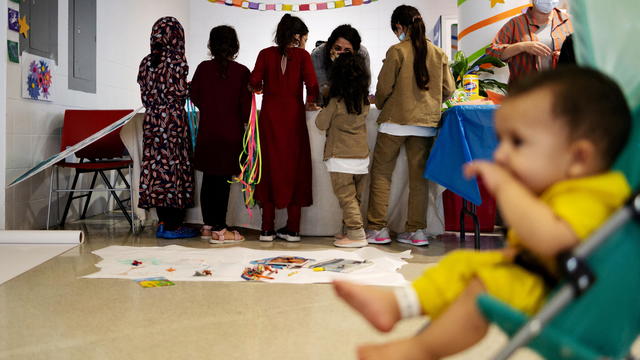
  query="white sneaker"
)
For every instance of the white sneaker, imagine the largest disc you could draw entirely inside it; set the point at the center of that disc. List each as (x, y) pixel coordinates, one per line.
(378, 236)
(417, 238)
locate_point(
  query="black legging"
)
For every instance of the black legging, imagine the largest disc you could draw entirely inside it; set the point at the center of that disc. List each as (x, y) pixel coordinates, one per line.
(171, 217)
(214, 199)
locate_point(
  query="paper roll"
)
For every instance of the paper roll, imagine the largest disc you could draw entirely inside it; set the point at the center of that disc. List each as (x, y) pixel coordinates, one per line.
(41, 237)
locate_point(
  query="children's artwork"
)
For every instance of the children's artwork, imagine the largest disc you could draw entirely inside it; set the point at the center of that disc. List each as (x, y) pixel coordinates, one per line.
(13, 51)
(154, 282)
(283, 261)
(37, 77)
(14, 15)
(24, 27)
(342, 265)
(178, 263)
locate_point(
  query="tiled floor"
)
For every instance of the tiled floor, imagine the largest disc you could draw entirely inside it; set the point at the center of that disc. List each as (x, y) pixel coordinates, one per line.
(50, 312)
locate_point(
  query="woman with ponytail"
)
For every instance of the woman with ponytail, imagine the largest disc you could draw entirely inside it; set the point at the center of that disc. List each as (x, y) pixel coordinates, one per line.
(280, 73)
(414, 81)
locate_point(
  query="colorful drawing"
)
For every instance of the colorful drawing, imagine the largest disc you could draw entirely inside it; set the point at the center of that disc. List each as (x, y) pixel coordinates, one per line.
(13, 51)
(154, 282)
(37, 73)
(14, 15)
(283, 261)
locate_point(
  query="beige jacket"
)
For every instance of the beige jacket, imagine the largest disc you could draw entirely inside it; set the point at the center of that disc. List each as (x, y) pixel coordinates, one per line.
(397, 93)
(346, 133)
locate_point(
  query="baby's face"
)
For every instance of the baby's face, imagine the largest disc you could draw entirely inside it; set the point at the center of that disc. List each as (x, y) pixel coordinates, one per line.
(534, 144)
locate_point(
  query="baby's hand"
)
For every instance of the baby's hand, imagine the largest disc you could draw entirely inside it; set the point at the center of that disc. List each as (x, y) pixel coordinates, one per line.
(493, 175)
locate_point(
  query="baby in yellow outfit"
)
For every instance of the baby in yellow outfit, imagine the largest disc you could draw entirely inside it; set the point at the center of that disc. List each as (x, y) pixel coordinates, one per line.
(559, 134)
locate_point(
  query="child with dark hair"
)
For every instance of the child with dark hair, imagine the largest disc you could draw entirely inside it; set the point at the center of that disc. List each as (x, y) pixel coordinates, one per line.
(219, 90)
(280, 73)
(552, 181)
(343, 39)
(414, 81)
(346, 152)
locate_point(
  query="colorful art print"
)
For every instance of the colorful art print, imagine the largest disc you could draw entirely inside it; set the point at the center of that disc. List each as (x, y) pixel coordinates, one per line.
(13, 51)
(154, 282)
(283, 260)
(37, 77)
(13, 17)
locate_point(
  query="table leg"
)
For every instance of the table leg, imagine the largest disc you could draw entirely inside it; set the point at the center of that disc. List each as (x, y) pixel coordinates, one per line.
(470, 209)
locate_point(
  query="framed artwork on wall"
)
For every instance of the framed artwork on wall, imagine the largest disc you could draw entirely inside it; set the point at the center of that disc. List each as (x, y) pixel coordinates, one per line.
(37, 77)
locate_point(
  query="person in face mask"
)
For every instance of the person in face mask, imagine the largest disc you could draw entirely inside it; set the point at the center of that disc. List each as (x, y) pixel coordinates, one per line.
(343, 39)
(532, 41)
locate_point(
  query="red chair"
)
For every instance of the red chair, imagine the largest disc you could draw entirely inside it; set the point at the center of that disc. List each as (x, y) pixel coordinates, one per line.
(106, 154)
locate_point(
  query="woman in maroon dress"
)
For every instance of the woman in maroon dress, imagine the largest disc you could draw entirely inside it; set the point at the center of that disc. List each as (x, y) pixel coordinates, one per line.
(166, 180)
(219, 90)
(280, 73)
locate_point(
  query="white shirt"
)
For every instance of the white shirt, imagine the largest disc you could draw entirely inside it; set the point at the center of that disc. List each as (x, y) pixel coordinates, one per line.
(407, 130)
(348, 166)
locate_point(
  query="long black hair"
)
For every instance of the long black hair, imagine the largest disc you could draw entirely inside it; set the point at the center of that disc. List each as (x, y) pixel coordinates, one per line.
(346, 32)
(224, 46)
(409, 17)
(288, 27)
(350, 82)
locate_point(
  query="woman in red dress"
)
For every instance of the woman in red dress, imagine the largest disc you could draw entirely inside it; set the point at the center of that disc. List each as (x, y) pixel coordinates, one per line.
(280, 73)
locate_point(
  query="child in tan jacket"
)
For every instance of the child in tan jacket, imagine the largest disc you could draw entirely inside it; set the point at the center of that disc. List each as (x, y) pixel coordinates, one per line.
(346, 153)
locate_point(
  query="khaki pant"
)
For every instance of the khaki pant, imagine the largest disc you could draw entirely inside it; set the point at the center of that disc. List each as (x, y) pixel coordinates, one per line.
(384, 161)
(348, 189)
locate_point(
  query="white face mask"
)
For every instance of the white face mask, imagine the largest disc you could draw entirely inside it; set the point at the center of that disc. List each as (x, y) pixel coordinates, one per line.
(402, 36)
(546, 6)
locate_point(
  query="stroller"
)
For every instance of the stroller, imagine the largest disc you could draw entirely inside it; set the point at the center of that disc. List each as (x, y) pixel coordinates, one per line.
(595, 313)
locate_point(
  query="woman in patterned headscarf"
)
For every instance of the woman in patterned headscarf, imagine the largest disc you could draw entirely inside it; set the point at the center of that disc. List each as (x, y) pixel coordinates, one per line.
(166, 180)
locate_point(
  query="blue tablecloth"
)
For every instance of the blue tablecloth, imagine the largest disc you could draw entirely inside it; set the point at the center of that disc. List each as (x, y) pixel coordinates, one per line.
(467, 134)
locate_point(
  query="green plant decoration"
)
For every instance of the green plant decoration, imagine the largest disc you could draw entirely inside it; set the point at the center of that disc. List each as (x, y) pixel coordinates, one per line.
(461, 67)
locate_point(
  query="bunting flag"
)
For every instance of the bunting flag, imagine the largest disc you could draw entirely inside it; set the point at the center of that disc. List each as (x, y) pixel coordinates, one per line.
(250, 159)
(326, 5)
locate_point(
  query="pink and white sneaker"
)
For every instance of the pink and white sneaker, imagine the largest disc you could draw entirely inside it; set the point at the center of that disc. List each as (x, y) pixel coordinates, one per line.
(416, 238)
(378, 236)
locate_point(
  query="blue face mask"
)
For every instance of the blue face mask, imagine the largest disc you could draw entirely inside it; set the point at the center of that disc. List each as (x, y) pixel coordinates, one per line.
(402, 36)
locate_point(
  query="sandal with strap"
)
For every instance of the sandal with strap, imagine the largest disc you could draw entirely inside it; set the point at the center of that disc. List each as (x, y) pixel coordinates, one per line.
(219, 237)
(205, 232)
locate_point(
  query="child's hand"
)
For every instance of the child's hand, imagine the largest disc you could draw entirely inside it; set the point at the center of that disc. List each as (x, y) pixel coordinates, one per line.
(493, 175)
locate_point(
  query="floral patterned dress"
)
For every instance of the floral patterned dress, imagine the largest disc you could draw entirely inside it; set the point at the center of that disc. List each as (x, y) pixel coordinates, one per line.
(166, 178)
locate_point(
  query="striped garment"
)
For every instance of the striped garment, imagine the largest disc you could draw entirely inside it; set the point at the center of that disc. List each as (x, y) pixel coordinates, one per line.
(523, 28)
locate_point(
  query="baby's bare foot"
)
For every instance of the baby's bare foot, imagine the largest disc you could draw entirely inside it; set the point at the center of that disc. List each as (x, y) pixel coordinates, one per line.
(377, 305)
(406, 349)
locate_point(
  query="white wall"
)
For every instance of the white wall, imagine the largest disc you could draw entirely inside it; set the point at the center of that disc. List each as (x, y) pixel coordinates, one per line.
(3, 112)
(256, 29)
(33, 127)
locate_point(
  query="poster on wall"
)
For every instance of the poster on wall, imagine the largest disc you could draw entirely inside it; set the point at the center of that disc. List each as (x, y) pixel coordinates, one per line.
(12, 51)
(37, 77)
(13, 19)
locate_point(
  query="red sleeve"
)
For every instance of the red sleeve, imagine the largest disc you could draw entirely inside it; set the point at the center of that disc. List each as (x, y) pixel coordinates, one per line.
(309, 77)
(245, 96)
(256, 79)
(195, 91)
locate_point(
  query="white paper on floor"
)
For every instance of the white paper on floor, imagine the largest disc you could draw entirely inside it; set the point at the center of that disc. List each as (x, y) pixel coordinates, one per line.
(179, 263)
